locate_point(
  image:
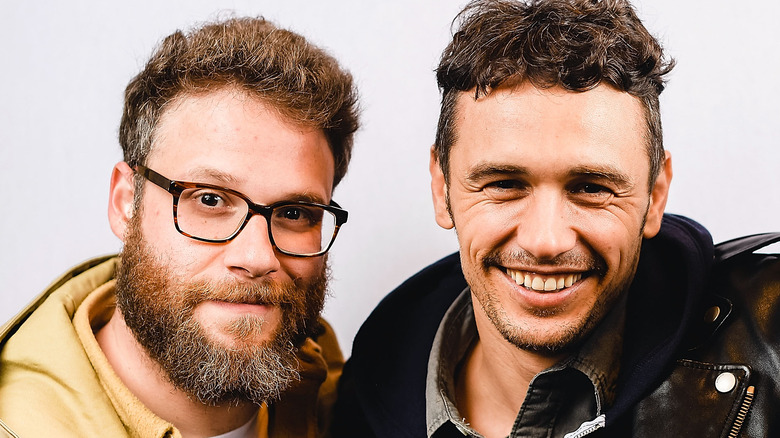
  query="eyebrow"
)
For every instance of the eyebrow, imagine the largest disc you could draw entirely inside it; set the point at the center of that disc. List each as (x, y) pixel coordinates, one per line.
(608, 172)
(211, 174)
(611, 173)
(218, 177)
(486, 170)
(305, 197)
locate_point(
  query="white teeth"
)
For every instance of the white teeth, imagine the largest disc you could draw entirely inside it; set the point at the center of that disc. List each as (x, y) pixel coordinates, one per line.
(543, 283)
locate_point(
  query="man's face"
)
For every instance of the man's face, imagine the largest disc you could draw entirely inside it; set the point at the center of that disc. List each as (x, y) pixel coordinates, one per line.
(549, 196)
(219, 311)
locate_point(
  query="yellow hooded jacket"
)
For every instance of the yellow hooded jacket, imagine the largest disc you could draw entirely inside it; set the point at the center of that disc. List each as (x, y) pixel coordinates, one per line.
(56, 382)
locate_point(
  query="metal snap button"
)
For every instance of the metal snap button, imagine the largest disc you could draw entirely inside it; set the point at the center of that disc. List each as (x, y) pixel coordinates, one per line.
(711, 315)
(462, 429)
(725, 382)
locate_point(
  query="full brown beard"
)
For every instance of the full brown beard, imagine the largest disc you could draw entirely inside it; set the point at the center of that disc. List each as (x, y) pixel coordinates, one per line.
(158, 308)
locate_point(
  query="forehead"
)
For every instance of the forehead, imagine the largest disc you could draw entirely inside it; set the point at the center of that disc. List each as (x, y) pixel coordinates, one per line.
(551, 128)
(230, 133)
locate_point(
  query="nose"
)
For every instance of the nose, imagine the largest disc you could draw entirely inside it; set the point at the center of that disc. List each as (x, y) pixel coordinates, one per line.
(545, 226)
(251, 254)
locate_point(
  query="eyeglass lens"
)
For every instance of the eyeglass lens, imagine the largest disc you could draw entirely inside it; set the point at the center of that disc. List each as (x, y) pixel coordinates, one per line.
(217, 215)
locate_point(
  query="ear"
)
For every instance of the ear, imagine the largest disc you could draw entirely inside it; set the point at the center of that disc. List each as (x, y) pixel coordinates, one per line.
(439, 192)
(120, 199)
(658, 198)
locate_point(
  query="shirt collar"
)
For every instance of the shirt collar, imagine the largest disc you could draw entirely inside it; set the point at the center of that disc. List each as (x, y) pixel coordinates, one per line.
(457, 331)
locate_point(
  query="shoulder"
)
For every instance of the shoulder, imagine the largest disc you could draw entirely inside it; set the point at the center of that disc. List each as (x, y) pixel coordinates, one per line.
(413, 310)
(745, 269)
(745, 288)
(741, 302)
(69, 289)
(747, 277)
(44, 367)
(382, 391)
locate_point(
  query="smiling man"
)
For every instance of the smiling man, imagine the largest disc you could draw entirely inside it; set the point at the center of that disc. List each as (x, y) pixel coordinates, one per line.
(234, 137)
(574, 307)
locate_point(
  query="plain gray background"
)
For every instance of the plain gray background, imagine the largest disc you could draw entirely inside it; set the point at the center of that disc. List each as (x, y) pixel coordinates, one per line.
(65, 65)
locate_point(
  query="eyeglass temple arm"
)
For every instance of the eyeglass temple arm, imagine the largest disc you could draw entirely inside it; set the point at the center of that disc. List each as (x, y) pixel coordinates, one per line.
(155, 177)
(342, 214)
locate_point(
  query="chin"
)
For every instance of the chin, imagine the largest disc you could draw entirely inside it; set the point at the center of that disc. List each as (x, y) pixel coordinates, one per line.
(242, 332)
(556, 339)
(545, 334)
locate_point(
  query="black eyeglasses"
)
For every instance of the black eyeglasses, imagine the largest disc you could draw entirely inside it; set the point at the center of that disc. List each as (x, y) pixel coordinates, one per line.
(215, 214)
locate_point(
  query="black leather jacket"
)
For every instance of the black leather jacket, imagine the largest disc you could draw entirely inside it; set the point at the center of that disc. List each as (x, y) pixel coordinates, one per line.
(701, 353)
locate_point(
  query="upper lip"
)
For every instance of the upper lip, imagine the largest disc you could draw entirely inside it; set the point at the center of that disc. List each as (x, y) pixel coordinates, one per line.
(251, 302)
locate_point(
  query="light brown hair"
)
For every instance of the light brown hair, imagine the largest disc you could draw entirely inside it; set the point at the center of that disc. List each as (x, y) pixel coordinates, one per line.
(301, 81)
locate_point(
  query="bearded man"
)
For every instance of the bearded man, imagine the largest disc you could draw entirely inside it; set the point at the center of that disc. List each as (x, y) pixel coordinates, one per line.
(234, 137)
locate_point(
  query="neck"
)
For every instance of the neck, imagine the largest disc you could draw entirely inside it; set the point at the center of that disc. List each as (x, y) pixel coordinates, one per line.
(494, 379)
(149, 383)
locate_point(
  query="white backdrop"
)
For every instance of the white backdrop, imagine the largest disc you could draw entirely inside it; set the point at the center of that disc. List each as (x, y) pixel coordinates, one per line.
(65, 65)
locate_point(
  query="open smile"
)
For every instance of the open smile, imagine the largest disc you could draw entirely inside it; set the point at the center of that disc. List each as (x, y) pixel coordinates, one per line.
(543, 283)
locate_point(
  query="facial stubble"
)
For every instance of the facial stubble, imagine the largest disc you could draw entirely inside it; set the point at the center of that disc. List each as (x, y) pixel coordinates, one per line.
(568, 334)
(571, 333)
(158, 307)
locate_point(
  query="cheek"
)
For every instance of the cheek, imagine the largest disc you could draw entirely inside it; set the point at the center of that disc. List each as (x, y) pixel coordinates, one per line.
(185, 256)
(482, 226)
(478, 236)
(156, 219)
(608, 228)
(303, 268)
(616, 243)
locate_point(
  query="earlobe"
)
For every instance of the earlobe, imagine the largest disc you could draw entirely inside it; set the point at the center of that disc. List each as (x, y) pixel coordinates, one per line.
(120, 199)
(439, 192)
(658, 198)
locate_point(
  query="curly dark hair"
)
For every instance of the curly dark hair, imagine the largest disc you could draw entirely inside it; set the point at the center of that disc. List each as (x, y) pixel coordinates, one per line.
(301, 81)
(573, 44)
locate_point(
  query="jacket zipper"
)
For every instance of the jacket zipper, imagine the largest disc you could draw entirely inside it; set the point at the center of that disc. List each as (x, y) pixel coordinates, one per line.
(587, 427)
(5, 427)
(742, 414)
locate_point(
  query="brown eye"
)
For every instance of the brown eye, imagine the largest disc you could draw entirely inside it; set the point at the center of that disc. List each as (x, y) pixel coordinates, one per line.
(292, 213)
(591, 194)
(210, 199)
(505, 185)
(207, 200)
(592, 188)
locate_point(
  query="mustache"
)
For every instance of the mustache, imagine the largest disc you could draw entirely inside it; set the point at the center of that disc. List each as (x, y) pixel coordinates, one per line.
(575, 260)
(269, 292)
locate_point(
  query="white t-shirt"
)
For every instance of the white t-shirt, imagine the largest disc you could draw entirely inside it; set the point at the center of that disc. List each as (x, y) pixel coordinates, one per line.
(249, 430)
